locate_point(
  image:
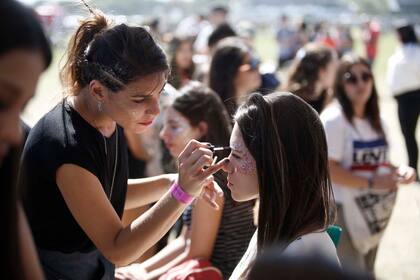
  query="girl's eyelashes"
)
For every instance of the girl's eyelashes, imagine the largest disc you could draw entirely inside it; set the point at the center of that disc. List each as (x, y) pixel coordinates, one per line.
(235, 155)
(138, 101)
(141, 100)
(173, 127)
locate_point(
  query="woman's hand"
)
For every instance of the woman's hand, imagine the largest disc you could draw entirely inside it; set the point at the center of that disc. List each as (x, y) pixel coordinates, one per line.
(406, 174)
(385, 182)
(195, 168)
(210, 192)
(131, 272)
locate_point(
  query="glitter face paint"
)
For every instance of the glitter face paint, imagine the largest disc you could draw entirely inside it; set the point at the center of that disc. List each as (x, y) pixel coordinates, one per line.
(241, 169)
(247, 164)
(134, 114)
(177, 131)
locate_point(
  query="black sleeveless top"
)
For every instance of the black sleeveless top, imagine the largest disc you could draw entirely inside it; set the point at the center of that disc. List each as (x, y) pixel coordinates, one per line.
(63, 136)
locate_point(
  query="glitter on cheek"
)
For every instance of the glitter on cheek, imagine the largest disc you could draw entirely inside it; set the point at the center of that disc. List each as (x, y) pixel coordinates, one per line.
(134, 114)
(247, 165)
(181, 127)
(237, 146)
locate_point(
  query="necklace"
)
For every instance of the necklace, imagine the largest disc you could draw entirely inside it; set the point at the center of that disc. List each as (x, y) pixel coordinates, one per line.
(115, 162)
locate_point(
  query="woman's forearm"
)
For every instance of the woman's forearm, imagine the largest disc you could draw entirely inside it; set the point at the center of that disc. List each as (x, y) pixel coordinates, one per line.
(134, 240)
(341, 176)
(155, 274)
(164, 256)
(144, 191)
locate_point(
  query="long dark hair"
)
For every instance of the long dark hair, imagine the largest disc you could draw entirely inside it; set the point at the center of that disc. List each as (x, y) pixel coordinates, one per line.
(304, 71)
(287, 140)
(176, 72)
(372, 112)
(19, 30)
(407, 34)
(228, 57)
(198, 104)
(115, 56)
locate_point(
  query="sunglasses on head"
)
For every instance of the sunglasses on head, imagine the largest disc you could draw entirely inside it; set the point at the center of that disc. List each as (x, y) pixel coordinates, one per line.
(354, 79)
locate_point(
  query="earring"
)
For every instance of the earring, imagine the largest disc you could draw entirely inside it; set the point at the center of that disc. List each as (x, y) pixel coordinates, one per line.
(99, 106)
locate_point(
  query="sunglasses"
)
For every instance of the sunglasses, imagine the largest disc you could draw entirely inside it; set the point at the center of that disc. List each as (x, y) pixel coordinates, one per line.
(350, 78)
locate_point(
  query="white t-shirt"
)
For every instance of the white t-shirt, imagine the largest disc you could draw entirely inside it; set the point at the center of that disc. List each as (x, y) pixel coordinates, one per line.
(319, 242)
(361, 150)
(404, 69)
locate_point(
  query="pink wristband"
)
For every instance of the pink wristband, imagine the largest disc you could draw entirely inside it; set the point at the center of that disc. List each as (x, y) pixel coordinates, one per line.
(179, 194)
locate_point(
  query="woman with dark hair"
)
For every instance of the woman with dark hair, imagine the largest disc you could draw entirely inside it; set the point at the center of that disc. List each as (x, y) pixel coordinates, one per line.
(219, 236)
(74, 165)
(279, 155)
(404, 83)
(311, 75)
(182, 64)
(233, 72)
(24, 55)
(365, 182)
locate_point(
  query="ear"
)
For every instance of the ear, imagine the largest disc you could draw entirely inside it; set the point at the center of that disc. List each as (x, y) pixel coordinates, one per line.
(202, 128)
(97, 90)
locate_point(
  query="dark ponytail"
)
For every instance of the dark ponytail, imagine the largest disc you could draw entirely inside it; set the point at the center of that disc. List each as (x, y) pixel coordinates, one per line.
(115, 56)
(71, 71)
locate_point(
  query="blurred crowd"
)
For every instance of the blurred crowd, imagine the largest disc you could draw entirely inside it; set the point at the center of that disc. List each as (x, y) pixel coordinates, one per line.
(296, 185)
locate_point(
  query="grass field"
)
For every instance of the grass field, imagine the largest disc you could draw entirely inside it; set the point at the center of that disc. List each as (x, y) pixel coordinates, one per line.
(399, 253)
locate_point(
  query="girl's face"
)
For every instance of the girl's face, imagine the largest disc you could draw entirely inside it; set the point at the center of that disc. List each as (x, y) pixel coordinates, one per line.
(184, 55)
(358, 84)
(136, 106)
(19, 73)
(177, 131)
(248, 78)
(242, 169)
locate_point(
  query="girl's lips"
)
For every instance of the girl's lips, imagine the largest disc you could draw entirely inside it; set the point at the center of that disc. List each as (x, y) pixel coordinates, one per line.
(229, 184)
(146, 123)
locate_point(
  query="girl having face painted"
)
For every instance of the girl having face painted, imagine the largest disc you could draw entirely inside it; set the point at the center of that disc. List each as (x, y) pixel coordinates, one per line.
(74, 165)
(279, 155)
(208, 234)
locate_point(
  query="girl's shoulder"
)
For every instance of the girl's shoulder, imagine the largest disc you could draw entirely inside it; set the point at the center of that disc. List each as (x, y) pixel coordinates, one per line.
(49, 130)
(314, 242)
(333, 115)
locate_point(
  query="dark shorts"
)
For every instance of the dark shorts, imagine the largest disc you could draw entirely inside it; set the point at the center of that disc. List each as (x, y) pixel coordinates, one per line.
(81, 266)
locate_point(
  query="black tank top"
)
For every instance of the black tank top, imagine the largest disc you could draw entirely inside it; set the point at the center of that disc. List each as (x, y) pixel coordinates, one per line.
(63, 136)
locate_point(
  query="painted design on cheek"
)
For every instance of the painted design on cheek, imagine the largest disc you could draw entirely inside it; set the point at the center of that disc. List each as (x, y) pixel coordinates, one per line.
(134, 114)
(181, 126)
(247, 163)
